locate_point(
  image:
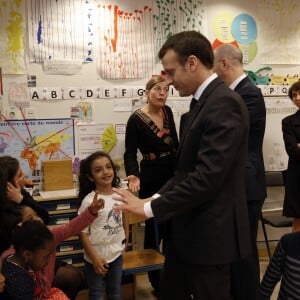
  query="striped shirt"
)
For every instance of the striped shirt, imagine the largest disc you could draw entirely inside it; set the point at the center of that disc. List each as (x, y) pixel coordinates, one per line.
(284, 266)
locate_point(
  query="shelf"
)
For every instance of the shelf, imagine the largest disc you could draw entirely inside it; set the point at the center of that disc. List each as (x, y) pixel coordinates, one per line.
(62, 211)
(72, 252)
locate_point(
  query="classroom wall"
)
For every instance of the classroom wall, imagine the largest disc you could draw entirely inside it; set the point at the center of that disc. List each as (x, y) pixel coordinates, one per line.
(103, 109)
(89, 76)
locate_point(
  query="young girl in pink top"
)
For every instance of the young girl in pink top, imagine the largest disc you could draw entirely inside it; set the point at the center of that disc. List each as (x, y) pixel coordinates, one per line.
(29, 269)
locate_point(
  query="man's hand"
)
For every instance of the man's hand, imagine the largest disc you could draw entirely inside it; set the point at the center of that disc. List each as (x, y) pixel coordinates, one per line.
(131, 202)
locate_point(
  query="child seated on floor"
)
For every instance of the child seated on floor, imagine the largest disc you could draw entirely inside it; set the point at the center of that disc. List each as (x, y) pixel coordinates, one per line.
(29, 266)
(68, 278)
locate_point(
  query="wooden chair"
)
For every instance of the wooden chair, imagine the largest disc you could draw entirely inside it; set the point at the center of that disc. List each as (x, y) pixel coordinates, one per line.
(139, 261)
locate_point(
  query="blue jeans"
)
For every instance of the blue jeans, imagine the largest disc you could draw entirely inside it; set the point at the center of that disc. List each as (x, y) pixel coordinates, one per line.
(110, 282)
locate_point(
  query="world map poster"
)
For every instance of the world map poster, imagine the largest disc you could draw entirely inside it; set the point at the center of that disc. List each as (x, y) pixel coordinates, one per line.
(32, 141)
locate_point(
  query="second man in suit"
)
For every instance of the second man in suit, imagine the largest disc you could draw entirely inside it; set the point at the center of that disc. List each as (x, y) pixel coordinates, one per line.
(229, 66)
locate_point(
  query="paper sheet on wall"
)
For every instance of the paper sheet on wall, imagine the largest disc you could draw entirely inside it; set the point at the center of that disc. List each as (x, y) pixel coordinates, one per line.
(67, 33)
(170, 17)
(275, 157)
(126, 39)
(12, 28)
(127, 49)
(62, 67)
(101, 136)
(18, 94)
(85, 111)
(122, 105)
(280, 31)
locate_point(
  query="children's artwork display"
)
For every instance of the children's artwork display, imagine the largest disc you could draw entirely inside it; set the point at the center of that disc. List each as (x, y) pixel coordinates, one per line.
(61, 30)
(100, 136)
(31, 141)
(275, 157)
(12, 28)
(132, 32)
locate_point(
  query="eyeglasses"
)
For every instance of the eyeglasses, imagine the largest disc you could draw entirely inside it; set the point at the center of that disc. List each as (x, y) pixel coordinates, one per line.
(159, 89)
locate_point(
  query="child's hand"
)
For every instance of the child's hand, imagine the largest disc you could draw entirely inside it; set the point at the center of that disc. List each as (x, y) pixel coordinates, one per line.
(14, 193)
(100, 266)
(96, 205)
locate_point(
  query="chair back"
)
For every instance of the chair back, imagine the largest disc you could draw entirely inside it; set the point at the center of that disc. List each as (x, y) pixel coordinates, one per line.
(134, 219)
(140, 260)
(275, 178)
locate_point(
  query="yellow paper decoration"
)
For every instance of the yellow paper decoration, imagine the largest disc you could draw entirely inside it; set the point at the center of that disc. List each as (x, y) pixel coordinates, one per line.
(109, 138)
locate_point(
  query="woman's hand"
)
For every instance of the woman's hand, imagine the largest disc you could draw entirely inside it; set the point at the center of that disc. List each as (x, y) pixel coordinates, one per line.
(133, 183)
(14, 193)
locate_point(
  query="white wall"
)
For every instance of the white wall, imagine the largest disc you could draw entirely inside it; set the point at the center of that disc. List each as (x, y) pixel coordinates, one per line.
(89, 77)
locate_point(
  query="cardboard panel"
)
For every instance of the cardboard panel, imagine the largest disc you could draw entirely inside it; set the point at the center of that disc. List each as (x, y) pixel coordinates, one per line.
(57, 174)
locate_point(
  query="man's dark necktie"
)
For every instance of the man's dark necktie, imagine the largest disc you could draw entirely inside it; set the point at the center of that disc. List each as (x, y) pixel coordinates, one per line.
(192, 104)
(185, 117)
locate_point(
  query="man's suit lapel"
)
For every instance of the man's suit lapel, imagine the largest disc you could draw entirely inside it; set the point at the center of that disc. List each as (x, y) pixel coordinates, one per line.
(242, 83)
(197, 108)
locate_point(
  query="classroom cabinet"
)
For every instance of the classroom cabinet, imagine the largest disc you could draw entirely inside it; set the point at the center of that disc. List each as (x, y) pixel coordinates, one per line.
(61, 210)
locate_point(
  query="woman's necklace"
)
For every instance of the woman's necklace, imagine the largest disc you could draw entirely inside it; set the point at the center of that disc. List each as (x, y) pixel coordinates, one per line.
(156, 117)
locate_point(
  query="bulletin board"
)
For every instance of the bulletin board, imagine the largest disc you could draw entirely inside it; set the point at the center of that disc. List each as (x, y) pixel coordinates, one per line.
(100, 136)
(107, 137)
(31, 141)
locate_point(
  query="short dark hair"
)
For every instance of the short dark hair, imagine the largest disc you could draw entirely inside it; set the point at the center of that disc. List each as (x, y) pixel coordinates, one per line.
(188, 43)
(295, 87)
(31, 235)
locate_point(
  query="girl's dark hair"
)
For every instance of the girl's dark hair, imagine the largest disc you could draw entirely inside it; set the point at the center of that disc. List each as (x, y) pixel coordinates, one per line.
(10, 166)
(9, 213)
(3, 192)
(295, 87)
(85, 171)
(11, 216)
(31, 235)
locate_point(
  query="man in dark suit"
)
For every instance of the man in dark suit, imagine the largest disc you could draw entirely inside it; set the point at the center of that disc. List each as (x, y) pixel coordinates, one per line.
(204, 204)
(245, 276)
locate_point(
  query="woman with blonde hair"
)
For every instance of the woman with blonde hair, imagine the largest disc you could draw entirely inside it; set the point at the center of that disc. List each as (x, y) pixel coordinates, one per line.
(151, 131)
